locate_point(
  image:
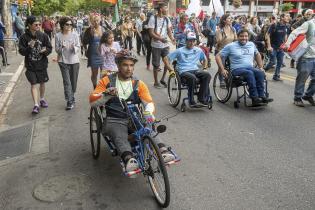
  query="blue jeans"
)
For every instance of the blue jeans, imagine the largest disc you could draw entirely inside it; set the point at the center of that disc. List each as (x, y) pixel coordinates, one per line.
(255, 79)
(276, 54)
(305, 68)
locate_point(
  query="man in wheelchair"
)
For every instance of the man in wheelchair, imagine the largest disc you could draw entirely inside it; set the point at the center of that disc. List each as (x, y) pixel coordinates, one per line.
(188, 58)
(241, 55)
(109, 91)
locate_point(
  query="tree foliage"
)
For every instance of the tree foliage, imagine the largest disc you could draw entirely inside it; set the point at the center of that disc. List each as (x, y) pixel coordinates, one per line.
(67, 7)
(286, 7)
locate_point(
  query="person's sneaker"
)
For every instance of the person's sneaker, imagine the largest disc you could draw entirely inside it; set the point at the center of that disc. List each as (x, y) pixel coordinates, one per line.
(298, 102)
(167, 156)
(266, 100)
(310, 99)
(163, 83)
(131, 165)
(158, 86)
(277, 79)
(43, 103)
(35, 110)
(69, 106)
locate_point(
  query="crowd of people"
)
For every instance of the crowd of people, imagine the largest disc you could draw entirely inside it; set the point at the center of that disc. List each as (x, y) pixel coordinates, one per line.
(107, 47)
(98, 39)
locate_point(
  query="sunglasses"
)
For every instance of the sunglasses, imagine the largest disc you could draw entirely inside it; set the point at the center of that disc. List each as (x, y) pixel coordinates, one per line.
(68, 24)
(37, 24)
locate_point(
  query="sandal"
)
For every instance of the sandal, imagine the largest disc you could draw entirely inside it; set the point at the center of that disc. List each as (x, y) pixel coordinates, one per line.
(163, 83)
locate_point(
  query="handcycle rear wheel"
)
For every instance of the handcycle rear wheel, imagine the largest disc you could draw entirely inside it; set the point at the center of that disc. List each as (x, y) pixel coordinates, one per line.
(95, 132)
(174, 89)
(156, 171)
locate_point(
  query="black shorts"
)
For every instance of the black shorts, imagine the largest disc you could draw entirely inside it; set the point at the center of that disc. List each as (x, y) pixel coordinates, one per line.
(157, 54)
(35, 77)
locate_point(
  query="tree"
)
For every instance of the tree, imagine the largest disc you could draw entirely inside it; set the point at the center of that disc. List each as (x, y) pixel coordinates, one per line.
(7, 18)
(47, 7)
(286, 7)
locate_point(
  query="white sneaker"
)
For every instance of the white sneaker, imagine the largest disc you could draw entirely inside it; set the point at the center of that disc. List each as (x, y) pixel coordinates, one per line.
(132, 165)
(167, 156)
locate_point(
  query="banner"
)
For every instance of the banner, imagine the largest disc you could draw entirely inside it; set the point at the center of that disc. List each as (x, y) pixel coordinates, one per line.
(216, 6)
(194, 7)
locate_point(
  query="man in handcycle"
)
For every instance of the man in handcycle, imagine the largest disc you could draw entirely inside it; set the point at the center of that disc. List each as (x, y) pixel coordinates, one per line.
(241, 55)
(109, 91)
(187, 60)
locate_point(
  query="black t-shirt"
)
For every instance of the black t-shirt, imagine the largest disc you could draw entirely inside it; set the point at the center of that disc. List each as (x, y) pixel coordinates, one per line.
(277, 33)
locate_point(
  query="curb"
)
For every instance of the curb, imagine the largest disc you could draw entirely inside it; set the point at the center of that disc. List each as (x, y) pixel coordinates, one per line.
(10, 87)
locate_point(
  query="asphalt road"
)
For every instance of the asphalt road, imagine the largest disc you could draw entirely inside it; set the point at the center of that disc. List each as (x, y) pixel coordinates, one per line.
(231, 159)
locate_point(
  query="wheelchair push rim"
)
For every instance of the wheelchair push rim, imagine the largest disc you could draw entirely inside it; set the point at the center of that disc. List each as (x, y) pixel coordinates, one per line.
(95, 133)
(174, 89)
(156, 171)
(222, 88)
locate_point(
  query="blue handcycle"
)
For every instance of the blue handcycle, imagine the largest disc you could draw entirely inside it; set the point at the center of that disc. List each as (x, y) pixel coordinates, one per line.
(145, 149)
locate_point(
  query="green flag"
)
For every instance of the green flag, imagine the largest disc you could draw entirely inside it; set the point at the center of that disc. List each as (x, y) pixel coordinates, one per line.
(116, 16)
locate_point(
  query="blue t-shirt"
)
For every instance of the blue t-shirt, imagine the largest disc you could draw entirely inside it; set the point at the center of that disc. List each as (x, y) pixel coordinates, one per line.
(240, 56)
(187, 59)
(277, 34)
(212, 24)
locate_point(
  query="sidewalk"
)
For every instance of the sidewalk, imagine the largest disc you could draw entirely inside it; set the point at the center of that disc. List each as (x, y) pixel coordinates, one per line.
(9, 77)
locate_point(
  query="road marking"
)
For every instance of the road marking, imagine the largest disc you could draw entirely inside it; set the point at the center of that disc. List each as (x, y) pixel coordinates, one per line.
(6, 74)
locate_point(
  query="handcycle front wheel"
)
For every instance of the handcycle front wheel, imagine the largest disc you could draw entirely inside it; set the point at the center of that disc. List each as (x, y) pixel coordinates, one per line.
(95, 132)
(156, 172)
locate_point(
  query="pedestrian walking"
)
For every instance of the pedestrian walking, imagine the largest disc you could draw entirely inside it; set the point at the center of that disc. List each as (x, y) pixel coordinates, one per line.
(146, 38)
(276, 36)
(48, 26)
(19, 25)
(35, 46)
(127, 30)
(159, 29)
(91, 41)
(67, 46)
(212, 27)
(139, 28)
(109, 49)
(305, 64)
(2, 49)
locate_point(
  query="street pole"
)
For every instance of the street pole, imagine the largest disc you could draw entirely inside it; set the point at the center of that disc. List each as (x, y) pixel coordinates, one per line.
(256, 8)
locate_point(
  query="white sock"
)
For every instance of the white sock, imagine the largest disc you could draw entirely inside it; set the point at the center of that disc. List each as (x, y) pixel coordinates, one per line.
(36, 104)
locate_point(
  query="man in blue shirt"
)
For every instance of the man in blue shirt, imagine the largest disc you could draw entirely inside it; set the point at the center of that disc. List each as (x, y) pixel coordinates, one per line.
(188, 58)
(241, 55)
(212, 25)
(275, 37)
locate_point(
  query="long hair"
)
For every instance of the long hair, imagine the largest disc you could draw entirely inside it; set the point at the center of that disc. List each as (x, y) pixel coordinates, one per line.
(223, 20)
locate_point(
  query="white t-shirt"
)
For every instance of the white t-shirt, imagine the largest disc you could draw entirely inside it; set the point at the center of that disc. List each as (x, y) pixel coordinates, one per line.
(161, 22)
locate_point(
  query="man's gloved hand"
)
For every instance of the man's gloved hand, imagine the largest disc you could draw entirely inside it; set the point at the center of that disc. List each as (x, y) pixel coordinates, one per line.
(111, 91)
(149, 117)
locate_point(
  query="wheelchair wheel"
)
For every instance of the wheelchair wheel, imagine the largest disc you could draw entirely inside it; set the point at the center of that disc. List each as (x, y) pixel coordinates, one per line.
(174, 89)
(95, 132)
(156, 172)
(222, 87)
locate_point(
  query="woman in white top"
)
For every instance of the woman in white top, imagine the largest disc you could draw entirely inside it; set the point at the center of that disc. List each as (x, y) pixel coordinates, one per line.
(67, 45)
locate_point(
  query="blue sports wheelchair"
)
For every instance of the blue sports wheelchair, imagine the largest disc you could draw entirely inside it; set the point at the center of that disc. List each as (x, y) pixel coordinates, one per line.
(175, 85)
(145, 149)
